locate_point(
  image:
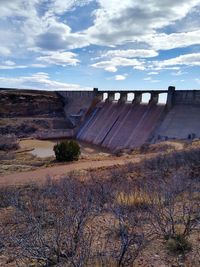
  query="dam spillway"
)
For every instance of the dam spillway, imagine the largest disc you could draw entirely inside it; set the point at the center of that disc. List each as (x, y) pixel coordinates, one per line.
(123, 124)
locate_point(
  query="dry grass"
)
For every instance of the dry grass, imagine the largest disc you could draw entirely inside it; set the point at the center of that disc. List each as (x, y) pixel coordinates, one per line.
(16, 162)
(195, 143)
(136, 199)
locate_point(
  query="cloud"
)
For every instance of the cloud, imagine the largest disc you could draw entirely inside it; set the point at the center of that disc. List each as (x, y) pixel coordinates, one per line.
(40, 25)
(36, 65)
(60, 58)
(116, 62)
(40, 80)
(131, 53)
(16, 8)
(36, 25)
(120, 77)
(188, 60)
(12, 67)
(60, 6)
(58, 36)
(119, 22)
(60, 40)
(153, 66)
(9, 63)
(149, 79)
(4, 51)
(164, 41)
(153, 73)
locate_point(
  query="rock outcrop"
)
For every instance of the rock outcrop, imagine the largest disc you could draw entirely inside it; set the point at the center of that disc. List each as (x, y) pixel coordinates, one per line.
(26, 112)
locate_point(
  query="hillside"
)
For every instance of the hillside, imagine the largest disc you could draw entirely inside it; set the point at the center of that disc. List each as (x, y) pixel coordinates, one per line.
(24, 112)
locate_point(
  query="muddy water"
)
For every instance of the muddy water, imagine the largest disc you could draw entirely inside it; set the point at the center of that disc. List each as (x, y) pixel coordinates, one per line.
(44, 148)
(39, 148)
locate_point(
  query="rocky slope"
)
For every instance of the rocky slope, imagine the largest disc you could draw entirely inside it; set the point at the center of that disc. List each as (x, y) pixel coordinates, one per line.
(24, 112)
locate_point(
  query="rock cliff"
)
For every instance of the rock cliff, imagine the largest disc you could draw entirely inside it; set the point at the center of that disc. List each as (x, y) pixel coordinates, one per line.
(24, 112)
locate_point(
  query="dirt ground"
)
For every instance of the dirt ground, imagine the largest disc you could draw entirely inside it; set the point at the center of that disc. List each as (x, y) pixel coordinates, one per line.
(25, 166)
(36, 154)
(40, 175)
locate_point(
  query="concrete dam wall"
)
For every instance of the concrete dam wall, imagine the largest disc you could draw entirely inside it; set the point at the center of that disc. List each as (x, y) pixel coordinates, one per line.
(123, 124)
(181, 122)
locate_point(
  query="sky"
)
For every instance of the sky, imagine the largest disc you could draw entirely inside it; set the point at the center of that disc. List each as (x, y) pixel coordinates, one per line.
(106, 44)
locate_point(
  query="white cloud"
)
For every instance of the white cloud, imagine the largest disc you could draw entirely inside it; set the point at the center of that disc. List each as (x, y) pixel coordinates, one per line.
(58, 36)
(153, 73)
(40, 80)
(108, 68)
(35, 25)
(12, 67)
(147, 79)
(60, 58)
(153, 66)
(119, 22)
(38, 25)
(131, 53)
(16, 8)
(60, 6)
(4, 51)
(188, 60)
(9, 63)
(120, 77)
(116, 62)
(36, 65)
(142, 67)
(164, 41)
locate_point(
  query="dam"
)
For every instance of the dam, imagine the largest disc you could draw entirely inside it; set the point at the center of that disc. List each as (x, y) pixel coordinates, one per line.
(120, 124)
(99, 118)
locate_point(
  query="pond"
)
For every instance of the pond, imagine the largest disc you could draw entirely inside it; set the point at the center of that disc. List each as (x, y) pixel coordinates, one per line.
(44, 148)
(39, 148)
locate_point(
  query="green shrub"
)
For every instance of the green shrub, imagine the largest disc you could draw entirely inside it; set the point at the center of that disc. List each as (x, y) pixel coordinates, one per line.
(67, 151)
(178, 244)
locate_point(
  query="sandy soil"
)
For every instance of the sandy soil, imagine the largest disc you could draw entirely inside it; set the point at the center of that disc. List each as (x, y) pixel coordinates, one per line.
(40, 176)
(92, 157)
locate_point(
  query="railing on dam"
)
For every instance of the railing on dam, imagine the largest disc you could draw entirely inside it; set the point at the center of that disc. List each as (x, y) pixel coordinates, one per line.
(172, 96)
(136, 96)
